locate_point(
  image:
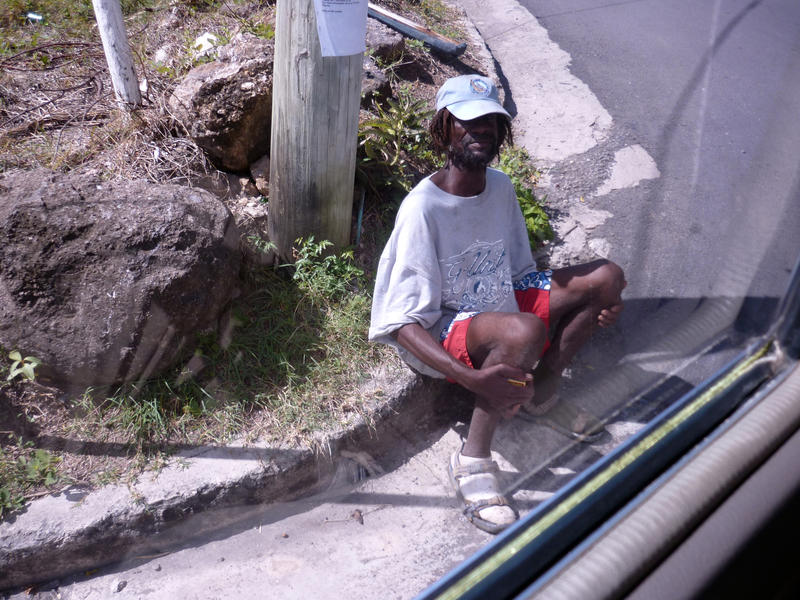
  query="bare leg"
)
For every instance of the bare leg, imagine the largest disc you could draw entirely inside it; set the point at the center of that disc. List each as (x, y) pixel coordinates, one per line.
(578, 296)
(514, 339)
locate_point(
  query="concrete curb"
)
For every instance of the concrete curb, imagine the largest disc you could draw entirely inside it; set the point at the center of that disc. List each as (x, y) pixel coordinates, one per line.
(77, 530)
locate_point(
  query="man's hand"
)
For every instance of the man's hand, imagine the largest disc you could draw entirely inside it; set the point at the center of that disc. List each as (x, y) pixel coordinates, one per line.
(501, 388)
(493, 386)
(608, 316)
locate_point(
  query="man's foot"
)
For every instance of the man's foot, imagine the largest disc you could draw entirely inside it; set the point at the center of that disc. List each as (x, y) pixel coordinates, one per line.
(475, 482)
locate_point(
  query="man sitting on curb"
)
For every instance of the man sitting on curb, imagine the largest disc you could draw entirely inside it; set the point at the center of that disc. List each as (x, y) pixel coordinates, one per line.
(458, 294)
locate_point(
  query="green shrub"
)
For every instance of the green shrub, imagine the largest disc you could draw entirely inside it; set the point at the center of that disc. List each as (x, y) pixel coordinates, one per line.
(516, 163)
(393, 141)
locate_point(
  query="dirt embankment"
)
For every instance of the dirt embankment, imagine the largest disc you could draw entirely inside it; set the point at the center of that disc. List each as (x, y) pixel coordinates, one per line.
(57, 111)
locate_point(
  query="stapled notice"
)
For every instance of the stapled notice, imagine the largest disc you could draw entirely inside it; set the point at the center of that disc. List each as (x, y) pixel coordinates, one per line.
(342, 26)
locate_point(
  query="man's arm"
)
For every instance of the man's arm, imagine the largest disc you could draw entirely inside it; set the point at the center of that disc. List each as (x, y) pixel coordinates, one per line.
(491, 383)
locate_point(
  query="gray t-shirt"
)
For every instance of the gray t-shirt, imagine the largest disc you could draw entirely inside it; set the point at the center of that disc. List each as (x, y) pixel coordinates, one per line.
(449, 254)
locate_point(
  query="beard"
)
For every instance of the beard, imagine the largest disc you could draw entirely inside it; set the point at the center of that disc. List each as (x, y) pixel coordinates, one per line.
(465, 158)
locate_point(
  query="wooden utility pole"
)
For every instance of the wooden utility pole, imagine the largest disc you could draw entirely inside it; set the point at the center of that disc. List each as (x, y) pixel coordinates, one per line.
(118, 53)
(315, 109)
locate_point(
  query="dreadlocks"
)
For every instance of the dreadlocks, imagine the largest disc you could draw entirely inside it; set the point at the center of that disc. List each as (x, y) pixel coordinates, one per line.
(440, 134)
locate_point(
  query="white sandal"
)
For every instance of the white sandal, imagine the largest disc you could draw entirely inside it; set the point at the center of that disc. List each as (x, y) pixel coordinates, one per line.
(478, 499)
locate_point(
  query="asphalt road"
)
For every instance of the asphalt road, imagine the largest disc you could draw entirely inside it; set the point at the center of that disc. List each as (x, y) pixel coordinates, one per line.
(674, 152)
(712, 91)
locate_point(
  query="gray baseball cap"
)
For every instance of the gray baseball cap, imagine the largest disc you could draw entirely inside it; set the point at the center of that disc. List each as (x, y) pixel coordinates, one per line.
(469, 97)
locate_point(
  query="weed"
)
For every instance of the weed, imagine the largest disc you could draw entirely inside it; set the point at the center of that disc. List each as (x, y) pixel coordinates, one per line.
(255, 26)
(394, 139)
(260, 29)
(260, 244)
(414, 44)
(22, 469)
(40, 468)
(321, 276)
(515, 162)
(22, 366)
(108, 476)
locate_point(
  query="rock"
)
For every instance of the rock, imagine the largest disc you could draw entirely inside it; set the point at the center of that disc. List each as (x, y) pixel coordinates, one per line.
(384, 42)
(204, 46)
(259, 170)
(117, 585)
(374, 83)
(226, 105)
(109, 281)
(161, 56)
(386, 45)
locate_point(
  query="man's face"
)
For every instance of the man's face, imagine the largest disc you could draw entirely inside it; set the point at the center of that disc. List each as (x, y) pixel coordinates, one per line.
(474, 143)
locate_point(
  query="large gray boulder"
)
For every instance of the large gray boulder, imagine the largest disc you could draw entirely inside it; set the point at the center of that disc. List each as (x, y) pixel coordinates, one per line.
(226, 104)
(109, 281)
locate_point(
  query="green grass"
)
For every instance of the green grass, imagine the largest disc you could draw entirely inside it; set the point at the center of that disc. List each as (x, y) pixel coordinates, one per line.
(439, 18)
(61, 20)
(297, 348)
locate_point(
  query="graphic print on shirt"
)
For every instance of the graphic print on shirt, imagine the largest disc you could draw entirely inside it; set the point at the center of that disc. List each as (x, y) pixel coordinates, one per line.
(477, 278)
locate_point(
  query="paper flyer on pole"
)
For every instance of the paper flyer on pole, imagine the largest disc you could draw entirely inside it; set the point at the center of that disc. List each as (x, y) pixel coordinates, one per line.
(342, 26)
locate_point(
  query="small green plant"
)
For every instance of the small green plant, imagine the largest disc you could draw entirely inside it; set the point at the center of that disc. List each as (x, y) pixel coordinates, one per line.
(397, 130)
(260, 244)
(26, 367)
(516, 163)
(394, 139)
(413, 44)
(40, 468)
(9, 500)
(259, 29)
(323, 276)
(22, 471)
(194, 49)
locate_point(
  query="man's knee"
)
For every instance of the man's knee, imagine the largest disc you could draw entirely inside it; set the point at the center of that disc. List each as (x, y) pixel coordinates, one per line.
(614, 278)
(525, 331)
(608, 279)
(513, 338)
